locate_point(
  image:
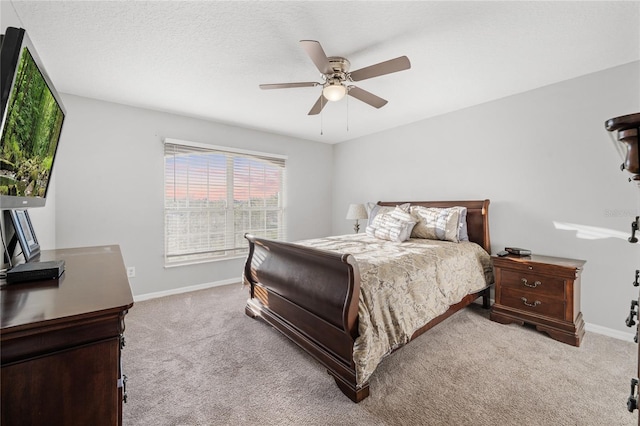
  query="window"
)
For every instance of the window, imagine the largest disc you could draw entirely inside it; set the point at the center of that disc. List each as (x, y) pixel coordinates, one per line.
(214, 195)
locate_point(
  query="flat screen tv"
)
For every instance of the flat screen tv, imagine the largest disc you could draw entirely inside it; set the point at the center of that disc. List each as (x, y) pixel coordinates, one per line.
(32, 118)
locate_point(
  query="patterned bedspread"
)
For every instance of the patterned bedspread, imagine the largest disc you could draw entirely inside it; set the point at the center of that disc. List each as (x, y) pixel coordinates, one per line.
(404, 286)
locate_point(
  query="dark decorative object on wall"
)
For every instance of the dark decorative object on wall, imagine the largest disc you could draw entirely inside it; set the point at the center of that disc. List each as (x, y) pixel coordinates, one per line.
(628, 128)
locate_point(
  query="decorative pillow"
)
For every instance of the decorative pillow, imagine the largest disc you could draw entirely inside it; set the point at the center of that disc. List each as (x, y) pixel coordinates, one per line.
(393, 226)
(436, 223)
(374, 209)
(462, 224)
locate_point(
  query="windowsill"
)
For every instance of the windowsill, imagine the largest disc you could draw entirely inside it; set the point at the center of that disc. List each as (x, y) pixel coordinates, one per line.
(197, 262)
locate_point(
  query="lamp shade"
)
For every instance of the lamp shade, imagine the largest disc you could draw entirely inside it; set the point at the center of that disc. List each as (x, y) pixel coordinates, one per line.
(357, 211)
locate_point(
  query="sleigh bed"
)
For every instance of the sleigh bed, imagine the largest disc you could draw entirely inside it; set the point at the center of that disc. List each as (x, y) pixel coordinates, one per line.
(316, 295)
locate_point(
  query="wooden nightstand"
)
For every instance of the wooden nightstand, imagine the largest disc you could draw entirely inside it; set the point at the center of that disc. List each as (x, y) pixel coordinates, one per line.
(540, 290)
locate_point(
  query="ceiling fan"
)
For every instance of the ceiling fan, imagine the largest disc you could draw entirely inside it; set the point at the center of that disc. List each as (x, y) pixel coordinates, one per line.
(337, 77)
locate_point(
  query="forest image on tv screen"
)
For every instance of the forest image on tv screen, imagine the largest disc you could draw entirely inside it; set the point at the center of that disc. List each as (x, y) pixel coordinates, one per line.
(30, 135)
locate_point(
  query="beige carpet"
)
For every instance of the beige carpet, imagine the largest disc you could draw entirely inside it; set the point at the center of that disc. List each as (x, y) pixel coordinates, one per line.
(197, 359)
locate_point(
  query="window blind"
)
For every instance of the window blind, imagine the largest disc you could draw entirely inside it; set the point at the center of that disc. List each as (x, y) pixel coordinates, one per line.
(214, 195)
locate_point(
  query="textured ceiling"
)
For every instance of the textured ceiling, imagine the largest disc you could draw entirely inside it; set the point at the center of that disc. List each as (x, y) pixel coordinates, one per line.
(206, 59)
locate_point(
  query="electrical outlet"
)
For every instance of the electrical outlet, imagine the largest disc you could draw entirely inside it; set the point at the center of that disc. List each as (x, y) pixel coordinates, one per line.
(131, 271)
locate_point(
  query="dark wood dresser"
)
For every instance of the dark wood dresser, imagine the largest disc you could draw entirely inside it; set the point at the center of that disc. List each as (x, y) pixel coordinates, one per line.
(540, 290)
(61, 342)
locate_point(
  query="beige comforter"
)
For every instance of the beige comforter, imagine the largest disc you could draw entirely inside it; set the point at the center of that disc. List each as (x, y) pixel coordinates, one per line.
(404, 286)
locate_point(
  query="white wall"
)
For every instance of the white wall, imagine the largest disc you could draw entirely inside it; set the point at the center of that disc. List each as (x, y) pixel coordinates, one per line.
(109, 172)
(540, 156)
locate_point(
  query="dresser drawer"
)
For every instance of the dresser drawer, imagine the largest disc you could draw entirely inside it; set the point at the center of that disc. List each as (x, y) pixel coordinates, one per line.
(538, 284)
(533, 302)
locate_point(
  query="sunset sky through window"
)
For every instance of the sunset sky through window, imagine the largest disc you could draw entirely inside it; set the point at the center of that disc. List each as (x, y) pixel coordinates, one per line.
(204, 177)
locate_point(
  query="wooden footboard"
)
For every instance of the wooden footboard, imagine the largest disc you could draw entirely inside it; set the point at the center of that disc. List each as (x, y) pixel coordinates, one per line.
(311, 296)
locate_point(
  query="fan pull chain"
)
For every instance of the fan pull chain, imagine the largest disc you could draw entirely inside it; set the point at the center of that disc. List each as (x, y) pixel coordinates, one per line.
(321, 113)
(347, 110)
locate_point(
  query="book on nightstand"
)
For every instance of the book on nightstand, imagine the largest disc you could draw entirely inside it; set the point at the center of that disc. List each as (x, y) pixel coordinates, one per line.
(518, 251)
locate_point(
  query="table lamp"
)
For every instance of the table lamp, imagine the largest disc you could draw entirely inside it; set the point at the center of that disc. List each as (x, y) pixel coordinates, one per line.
(356, 211)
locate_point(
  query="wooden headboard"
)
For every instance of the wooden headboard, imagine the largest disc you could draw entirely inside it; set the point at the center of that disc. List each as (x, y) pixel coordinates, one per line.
(477, 217)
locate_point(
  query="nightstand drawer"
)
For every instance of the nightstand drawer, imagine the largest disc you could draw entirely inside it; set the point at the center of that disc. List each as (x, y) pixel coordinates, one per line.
(532, 302)
(537, 284)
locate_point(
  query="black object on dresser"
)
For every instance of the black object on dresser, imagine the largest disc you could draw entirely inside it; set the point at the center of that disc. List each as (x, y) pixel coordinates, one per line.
(35, 271)
(540, 290)
(62, 339)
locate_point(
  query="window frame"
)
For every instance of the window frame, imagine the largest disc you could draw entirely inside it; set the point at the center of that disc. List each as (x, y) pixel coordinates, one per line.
(230, 232)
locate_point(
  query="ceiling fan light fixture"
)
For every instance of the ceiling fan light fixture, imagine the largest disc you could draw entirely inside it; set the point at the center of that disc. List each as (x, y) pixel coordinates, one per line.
(337, 77)
(334, 91)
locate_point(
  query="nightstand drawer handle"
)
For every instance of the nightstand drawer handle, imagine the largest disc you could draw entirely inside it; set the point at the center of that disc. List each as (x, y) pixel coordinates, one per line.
(533, 305)
(526, 283)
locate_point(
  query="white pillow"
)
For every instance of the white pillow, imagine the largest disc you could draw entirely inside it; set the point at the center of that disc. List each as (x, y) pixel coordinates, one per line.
(393, 226)
(373, 209)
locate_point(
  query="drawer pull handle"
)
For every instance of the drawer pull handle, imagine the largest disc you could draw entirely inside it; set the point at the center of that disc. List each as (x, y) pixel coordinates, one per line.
(526, 283)
(632, 401)
(632, 313)
(533, 305)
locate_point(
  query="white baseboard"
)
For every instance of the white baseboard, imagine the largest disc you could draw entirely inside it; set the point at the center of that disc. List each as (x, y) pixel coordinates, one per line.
(180, 290)
(621, 335)
(609, 332)
(616, 334)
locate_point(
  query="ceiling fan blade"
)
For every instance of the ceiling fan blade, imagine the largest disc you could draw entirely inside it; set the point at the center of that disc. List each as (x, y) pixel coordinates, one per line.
(317, 55)
(317, 107)
(387, 67)
(367, 97)
(288, 85)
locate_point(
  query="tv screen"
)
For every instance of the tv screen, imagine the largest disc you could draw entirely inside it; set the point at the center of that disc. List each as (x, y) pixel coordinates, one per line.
(32, 118)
